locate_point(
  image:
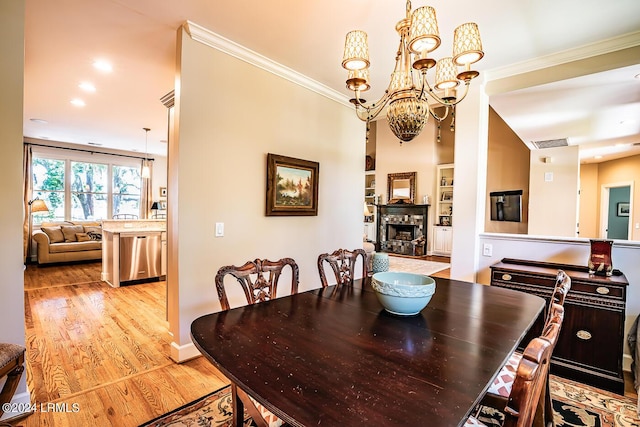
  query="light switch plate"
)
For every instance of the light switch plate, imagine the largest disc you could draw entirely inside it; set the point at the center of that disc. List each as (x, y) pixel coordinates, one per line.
(219, 229)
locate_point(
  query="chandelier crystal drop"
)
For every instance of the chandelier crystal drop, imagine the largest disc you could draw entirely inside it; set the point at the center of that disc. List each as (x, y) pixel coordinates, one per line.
(409, 92)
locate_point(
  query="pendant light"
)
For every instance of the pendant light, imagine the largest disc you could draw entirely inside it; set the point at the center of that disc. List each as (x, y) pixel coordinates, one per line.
(146, 174)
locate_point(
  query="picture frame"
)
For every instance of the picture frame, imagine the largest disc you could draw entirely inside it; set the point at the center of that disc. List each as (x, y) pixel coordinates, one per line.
(163, 191)
(292, 186)
(163, 205)
(447, 196)
(623, 209)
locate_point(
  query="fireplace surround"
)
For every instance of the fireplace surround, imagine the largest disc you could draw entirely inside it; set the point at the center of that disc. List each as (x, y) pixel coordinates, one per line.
(402, 229)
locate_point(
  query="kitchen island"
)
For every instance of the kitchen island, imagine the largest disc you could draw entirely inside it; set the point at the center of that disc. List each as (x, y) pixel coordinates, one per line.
(133, 251)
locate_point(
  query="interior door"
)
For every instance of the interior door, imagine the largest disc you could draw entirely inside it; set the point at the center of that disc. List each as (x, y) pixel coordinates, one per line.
(618, 213)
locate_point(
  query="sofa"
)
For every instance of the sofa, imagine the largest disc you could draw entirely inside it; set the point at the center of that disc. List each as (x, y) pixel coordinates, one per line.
(68, 241)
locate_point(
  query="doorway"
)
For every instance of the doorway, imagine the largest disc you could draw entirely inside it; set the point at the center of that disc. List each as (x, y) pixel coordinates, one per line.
(615, 211)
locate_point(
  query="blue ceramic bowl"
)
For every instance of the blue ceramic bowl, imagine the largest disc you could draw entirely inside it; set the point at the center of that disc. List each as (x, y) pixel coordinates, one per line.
(404, 294)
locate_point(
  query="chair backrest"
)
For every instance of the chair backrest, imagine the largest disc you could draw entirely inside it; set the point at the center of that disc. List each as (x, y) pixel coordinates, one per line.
(125, 216)
(532, 374)
(159, 216)
(560, 291)
(342, 262)
(255, 285)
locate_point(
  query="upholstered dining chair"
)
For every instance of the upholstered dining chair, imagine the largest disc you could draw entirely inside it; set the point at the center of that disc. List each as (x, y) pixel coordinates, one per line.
(499, 391)
(257, 288)
(342, 262)
(525, 405)
(11, 367)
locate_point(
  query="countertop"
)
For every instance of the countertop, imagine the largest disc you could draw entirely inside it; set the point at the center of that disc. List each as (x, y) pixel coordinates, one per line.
(133, 225)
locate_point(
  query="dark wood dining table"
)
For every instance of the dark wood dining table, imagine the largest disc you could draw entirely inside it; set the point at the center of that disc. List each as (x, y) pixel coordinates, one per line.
(334, 357)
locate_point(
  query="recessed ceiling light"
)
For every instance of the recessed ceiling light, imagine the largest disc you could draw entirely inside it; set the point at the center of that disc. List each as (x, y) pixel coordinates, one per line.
(637, 76)
(87, 87)
(41, 121)
(78, 102)
(97, 144)
(103, 65)
(597, 157)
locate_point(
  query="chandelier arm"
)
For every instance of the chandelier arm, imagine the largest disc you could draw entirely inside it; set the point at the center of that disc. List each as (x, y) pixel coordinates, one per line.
(371, 111)
(438, 118)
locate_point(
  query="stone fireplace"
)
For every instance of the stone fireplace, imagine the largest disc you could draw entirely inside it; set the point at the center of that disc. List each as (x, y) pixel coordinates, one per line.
(402, 229)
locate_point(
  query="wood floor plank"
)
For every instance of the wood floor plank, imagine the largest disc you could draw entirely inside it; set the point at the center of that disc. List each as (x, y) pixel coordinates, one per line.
(104, 350)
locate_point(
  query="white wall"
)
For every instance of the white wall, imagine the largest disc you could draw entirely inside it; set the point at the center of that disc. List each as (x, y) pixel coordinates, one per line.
(553, 191)
(11, 214)
(229, 115)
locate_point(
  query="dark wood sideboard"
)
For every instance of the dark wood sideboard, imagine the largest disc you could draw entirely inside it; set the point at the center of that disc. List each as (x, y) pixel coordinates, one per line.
(590, 347)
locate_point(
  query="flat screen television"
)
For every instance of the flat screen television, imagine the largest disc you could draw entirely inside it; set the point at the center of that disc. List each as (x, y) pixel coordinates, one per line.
(506, 205)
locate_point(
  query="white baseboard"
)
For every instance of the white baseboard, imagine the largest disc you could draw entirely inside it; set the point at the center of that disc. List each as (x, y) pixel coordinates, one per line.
(182, 353)
(21, 401)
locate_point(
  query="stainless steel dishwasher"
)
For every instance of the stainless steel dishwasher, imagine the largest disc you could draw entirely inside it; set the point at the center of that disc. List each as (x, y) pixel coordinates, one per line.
(140, 256)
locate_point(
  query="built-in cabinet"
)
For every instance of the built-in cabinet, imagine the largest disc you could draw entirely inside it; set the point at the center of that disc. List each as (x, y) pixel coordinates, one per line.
(369, 202)
(442, 230)
(442, 237)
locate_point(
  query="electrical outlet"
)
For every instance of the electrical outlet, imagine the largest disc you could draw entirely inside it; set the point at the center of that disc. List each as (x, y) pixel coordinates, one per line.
(487, 249)
(219, 229)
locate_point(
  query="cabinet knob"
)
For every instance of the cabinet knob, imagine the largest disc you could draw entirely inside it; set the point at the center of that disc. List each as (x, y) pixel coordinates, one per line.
(602, 290)
(506, 277)
(583, 335)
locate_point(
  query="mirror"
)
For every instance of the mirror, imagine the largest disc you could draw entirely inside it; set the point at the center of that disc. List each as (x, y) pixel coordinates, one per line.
(401, 188)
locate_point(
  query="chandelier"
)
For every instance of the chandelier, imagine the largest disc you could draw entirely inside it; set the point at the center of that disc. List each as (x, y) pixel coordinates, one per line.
(408, 94)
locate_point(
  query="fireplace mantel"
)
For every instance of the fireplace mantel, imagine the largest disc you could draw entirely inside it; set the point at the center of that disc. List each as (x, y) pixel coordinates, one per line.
(402, 229)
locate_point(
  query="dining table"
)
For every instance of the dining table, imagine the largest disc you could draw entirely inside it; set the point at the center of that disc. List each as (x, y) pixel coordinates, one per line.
(334, 357)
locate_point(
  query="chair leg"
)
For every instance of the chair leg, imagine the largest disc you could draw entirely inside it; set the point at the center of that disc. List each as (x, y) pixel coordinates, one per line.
(13, 378)
(548, 406)
(238, 407)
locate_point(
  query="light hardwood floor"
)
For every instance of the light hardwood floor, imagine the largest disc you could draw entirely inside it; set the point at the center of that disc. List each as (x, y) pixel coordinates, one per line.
(101, 353)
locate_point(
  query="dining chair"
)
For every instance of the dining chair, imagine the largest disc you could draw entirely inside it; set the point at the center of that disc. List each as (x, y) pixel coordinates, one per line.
(342, 262)
(11, 367)
(251, 277)
(257, 288)
(501, 387)
(525, 405)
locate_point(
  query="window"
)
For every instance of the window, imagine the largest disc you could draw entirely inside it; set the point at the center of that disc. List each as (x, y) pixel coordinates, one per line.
(81, 189)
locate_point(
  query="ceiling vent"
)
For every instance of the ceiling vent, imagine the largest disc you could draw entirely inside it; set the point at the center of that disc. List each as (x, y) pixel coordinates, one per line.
(550, 143)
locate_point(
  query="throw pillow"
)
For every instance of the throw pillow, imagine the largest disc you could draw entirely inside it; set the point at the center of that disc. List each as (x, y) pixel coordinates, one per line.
(93, 228)
(54, 233)
(70, 231)
(94, 236)
(82, 237)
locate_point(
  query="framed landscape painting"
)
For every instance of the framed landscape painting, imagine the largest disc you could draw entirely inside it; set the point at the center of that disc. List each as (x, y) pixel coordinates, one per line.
(292, 186)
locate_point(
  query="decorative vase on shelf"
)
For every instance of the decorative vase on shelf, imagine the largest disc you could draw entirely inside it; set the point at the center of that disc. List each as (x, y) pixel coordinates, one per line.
(600, 258)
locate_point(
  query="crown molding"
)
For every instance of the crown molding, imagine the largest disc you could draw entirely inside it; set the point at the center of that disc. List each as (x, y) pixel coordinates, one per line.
(218, 42)
(602, 47)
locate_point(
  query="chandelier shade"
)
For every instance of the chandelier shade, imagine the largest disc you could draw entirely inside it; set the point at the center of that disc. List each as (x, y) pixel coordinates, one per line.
(407, 97)
(424, 35)
(467, 46)
(356, 51)
(446, 74)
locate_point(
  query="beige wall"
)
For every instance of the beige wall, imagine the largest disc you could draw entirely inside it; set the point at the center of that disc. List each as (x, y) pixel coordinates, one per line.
(553, 204)
(589, 196)
(507, 169)
(229, 115)
(11, 214)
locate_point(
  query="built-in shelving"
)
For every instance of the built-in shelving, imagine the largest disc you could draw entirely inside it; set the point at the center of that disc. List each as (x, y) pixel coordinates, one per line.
(443, 231)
